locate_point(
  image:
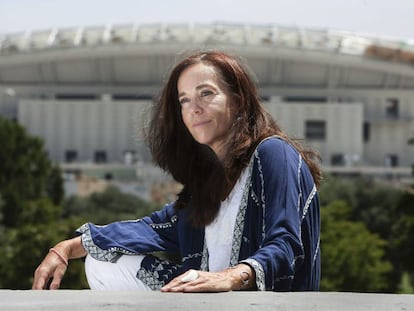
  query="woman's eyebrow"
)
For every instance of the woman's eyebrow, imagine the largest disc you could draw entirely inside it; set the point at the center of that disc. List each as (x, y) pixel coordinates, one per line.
(198, 87)
(203, 85)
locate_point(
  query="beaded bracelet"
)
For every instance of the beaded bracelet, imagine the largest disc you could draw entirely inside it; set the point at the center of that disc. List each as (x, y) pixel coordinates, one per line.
(61, 257)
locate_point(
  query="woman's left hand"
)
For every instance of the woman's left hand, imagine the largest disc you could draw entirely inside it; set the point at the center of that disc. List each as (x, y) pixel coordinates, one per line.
(223, 281)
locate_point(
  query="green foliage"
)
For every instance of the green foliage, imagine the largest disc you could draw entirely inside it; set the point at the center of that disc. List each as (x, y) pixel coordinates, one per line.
(25, 245)
(352, 257)
(1, 210)
(371, 202)
(54, 186)
(403, 232)
(384, 210)
(31, 190)
(406, 284)
(108, 206)
(24, 170)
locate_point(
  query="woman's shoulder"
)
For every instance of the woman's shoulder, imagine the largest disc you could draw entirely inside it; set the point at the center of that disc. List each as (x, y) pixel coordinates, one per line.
(275, 147)
(272, 143)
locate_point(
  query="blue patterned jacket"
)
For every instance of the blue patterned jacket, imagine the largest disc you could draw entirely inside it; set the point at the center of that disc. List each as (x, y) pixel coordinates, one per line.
(276, 232)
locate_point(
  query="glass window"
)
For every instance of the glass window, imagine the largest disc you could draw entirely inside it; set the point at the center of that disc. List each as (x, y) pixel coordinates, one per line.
(391, 160)
(337, 159)
(71, 156)
(315, 129)
(366, 132)
(100, 156)
(392, 108)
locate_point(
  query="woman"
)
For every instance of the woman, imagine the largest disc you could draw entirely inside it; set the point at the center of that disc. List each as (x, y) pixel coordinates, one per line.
(248, 214)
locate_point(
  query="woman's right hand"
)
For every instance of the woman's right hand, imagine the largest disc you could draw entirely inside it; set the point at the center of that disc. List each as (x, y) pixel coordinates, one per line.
(53, 267)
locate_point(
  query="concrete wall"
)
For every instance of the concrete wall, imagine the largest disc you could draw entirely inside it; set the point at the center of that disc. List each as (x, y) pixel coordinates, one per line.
(389, 133)
(106, 300)
(343, 126)
(85, 126)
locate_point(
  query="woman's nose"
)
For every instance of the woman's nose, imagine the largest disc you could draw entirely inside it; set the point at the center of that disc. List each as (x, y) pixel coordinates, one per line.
(196, 106)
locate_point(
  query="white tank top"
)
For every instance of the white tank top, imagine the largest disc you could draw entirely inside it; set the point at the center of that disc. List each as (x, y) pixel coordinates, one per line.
(219, 234)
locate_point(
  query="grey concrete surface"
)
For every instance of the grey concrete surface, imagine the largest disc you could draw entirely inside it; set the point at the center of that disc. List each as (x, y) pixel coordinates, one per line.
(72, 300)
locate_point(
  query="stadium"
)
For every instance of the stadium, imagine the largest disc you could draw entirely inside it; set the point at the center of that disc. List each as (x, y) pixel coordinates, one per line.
(85, 91)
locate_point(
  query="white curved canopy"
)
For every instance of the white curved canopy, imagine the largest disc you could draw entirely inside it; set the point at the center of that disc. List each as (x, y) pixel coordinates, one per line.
(139, 56)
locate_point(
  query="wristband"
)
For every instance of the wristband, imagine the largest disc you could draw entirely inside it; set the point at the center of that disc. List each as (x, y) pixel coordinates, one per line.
(61, 257)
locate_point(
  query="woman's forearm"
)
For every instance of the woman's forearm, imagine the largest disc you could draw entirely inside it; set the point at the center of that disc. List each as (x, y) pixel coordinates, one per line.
(72, 248)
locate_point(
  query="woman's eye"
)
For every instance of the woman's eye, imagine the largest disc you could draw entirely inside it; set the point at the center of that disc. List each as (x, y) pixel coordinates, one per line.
(206, 93)
(182, 101)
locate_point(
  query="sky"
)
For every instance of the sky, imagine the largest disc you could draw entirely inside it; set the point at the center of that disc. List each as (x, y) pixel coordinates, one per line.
(383, 18)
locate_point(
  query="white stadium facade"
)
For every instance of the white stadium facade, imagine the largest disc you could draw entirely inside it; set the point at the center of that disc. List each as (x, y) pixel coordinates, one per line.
(85, 90)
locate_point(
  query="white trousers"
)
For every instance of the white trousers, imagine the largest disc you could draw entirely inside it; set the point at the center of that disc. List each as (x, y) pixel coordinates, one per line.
(121, 275)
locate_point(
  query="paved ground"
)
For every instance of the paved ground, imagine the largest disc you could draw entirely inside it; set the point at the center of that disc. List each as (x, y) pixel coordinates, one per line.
(72, 300)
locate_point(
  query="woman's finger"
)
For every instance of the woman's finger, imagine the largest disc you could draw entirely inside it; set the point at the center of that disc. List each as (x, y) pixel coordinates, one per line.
(40, 278)
(181, 280)
(191, 275)
(57, 276)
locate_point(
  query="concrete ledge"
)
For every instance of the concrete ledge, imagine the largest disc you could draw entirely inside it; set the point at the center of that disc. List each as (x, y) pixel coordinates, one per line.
(72, 300)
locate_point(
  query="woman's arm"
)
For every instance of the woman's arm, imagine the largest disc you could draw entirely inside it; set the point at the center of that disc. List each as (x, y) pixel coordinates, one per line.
(154, 233)
(54, 265)
(279, 189)
(157, 232)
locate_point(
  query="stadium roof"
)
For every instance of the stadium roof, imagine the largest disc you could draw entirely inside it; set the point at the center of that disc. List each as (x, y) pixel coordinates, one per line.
(141, 54)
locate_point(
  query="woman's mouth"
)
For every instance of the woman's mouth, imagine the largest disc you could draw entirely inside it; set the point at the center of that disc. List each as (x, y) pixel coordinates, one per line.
(200, 123)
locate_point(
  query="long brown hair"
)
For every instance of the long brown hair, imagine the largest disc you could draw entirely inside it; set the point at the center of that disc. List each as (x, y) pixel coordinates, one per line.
(206, 180)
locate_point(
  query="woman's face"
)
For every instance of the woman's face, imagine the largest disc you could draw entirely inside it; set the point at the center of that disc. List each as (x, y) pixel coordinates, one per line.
(206, 106)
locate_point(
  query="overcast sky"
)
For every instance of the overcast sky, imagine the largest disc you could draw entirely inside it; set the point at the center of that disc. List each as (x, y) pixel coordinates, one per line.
(386, 18)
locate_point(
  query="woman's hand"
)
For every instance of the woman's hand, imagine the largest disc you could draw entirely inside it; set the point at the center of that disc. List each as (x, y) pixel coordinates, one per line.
(235, 278)
(54, 265)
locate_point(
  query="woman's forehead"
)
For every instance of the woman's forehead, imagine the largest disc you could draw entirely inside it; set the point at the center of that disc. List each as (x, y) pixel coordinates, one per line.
(196, 75)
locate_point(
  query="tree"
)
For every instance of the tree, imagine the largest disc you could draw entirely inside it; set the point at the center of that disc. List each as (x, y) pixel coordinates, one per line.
(352, 257)
(403, 232)
(110, 205)
(371, 202)
(31, 190)
(375, 204)
(54, 185)
(23, 247)
(25, 171)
